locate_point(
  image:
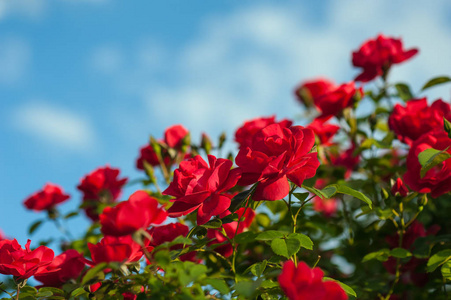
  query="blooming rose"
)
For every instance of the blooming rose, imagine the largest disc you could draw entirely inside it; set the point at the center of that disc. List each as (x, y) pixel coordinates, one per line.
(327, 97)
(173, 138)
(138, 212)
(377, 55)
(115, 249)
(328, 207)
(46, 199)
(277, 153)
(23, 263)
(437, 180)
(196, 185)
(167, 233)
(68, 264)
(101, 186)
(309, 91)
(325, 132)
(230, 229)
(417, 118)
(399, 188)
(303, 283)
(244, 134)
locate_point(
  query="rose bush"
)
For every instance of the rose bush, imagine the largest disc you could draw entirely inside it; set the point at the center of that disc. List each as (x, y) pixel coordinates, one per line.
(337, 209)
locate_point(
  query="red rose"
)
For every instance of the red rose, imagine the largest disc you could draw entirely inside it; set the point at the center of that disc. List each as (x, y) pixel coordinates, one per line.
(244, 134)
(399, 188)
(115, 249)
(417, 118)
(230, 229)
(377, 55)
(437, 180)
(47, 198)
(101, 186)
(333, 102)
(309, 91)
(328, 207)
(138, 212)
(414, 231)
(303, 283)
(167, 233)
(277, 153)
(23, 263)
(173, 138)
(198, 186)
(324, 132)
(68, 264)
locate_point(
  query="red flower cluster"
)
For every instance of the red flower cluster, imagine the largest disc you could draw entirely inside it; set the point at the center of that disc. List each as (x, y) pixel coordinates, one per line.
(323, 131)
(138, 212)
(437, 180)
(417, 118)
(47, 198)
(303, 283)
(277, 153)
(230, 229)
(23, 263)
(115, 249)
(377, 55)
(173, 138)
(68, 265)
(100, 186)
(245, 134)
(328, 98)
(199, 186)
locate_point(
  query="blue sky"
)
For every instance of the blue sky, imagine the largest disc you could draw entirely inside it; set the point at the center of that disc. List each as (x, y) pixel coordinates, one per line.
(84, 83)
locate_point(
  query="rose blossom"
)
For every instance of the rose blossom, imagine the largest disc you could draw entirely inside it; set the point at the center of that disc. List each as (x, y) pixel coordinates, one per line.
(47, 198)
(276, 155)
(327, 97)
(244, 134)
(115, 249)
(417, 117)
(230, 229)
(346, 159)
(173, 138)
(138, 212)
(437, 180)
(68, 264)
(303, 283)
(101, 186)
(325, 132)
(377, 55)
(399, 188)
(23, 263)
(197, 185)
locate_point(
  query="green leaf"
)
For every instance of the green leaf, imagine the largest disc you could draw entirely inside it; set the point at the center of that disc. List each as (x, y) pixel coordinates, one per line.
(257, 269)
(34, 226)
(270, 235)
(95, 272)
(279, 247)
(71, 215)
(218, 284)
(301, 196)
(344, 189)
(446, 270)
(400, 253)
(239, 199)
(78, 292)
(44, 294)
(315, 191)
(247, 288)
(215, 223)
(293, 246)
(403, 91)
(306, 242)
(436, 81)
(329, 191)
(438, 259)
(345, 287)
(381, 255)
(245, 237)
(447, 127)
(429, 158)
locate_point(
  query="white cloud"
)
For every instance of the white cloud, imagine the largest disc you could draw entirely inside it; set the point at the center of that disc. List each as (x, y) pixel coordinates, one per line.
(27, 8)
(107, 59)
(55, 125)
(15, 59)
